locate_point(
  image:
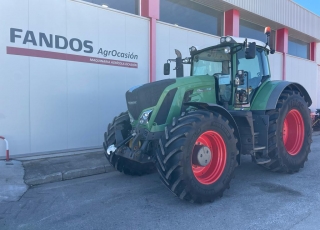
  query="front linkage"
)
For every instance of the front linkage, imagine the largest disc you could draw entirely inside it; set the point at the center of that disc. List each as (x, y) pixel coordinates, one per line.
(129, 150)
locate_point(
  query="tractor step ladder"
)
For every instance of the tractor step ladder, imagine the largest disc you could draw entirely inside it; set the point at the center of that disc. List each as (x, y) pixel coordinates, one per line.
(259, 148)
(262, 159)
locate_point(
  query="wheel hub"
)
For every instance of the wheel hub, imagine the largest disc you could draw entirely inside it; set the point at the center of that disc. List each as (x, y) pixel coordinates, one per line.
(209, 157)
(201, 155)
(293, 132)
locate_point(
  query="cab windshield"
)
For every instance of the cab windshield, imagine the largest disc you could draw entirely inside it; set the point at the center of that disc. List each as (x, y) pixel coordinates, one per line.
(215, 62)
(211, 62)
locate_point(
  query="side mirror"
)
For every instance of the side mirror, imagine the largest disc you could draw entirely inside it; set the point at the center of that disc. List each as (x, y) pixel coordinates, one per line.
(166, 69)
(240, 78)
(251, 51)
(242, 93)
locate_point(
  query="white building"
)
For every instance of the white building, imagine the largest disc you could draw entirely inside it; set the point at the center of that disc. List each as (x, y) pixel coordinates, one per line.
(65, 65)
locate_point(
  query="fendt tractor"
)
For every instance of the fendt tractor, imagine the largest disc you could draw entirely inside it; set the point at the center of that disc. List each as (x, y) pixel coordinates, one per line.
(194, 129)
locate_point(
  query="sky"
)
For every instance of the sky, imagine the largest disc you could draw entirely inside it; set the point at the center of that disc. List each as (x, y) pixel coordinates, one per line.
(312, 5)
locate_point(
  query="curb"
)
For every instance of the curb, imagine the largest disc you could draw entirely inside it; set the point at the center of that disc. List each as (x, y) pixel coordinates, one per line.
(44, 179)
(69, 175)
(82, 172)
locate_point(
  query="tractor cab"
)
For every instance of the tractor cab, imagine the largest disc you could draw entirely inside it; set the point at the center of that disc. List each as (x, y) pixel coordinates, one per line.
(239, 66)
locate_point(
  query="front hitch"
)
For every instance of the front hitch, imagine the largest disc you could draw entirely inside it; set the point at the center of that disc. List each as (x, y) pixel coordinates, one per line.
(135, 152)
(111, 149)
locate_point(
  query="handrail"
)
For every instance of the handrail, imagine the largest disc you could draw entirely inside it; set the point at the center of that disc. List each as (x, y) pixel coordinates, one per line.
(7, 148)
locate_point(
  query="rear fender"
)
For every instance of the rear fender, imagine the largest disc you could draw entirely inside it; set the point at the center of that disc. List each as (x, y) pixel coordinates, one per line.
(268, 96)
(221, 110)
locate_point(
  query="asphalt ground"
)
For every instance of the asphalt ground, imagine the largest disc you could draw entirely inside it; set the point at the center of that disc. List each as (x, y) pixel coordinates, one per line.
(257, 199)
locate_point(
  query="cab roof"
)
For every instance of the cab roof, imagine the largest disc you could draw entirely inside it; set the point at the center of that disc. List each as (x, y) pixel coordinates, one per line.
(242, 40)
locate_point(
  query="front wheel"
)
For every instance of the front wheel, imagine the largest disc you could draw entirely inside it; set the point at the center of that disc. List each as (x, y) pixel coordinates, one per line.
(196, 157)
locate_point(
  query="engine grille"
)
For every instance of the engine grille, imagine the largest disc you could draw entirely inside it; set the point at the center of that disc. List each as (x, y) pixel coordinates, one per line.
(146, 96)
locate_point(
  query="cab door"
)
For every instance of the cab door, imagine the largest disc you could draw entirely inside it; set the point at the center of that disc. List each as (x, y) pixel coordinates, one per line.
(256, 69)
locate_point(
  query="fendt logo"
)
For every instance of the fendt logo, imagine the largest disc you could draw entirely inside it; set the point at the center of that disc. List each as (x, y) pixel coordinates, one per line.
(62, 43)
(50, 41)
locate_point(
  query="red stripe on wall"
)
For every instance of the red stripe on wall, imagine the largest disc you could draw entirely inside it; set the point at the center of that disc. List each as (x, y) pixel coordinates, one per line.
(151, 9)
(153, 49)
(282, 40)
(232, 23)
(313, 50)
(69, 57)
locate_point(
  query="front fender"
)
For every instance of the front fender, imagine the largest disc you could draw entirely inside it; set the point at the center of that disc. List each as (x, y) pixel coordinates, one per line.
(269, 94)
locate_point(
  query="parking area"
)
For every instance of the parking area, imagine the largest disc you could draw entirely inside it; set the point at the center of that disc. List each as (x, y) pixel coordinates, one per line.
(257, 199)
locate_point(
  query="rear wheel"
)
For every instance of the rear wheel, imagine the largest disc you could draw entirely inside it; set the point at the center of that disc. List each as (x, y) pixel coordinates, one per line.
(196, 157)
(290, 133)
(120, 163)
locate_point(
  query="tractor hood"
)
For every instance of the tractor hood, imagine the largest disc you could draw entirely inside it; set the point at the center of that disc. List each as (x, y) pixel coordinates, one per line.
(166, 97)
(145, 96)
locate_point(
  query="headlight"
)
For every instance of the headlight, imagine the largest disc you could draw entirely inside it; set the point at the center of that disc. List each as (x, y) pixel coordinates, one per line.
(144, 119)
(193, 49)
(222, 40)
(228, 39)
(227, 49)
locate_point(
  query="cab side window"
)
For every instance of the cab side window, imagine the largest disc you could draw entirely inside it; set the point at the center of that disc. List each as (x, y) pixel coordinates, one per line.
(254, 67)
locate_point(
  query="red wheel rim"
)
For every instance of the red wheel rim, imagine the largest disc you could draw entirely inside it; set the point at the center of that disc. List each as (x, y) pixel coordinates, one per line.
(293, 132)
(211, 173)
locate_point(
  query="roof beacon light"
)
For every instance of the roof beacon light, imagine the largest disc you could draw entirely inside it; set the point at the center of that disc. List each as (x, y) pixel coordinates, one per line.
(267, 31)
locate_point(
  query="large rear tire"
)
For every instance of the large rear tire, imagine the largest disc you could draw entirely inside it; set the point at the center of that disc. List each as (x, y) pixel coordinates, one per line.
(122, 164)
(290, 133)
(197, 156)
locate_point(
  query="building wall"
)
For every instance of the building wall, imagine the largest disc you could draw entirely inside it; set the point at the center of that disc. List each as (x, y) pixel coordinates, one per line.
(51, 105)
(277, 12)
(54, 101)
(170, 37)
(276, 65)
(304, 72)
(284, 12)
(318, 53)
(318, 86)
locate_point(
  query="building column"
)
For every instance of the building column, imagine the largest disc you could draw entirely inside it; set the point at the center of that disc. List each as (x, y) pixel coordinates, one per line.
(313, 51)
(151, 10)
(231, 23)
(282, 40)
(282, 46)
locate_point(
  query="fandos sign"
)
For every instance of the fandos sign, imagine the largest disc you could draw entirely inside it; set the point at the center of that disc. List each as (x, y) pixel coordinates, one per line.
(62, 43)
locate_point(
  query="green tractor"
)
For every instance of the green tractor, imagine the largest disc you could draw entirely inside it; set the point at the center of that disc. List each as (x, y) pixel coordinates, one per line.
(194, 129)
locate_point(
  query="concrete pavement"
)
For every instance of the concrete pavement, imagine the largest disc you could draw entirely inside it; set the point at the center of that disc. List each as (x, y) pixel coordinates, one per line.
(12, 185)
(52, 169)
(17, 176)
(257, 199)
